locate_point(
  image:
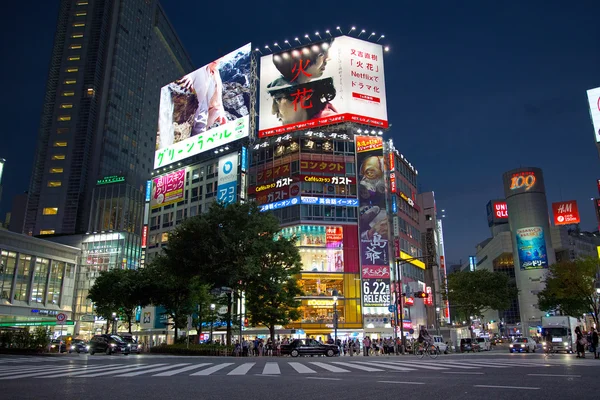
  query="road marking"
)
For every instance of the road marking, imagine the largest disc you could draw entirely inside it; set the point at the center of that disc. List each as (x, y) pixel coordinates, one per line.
(301, 368)
(84, 370)
(242, 369)
(211, 370)
(456, 365)
(37, 373)
(486, 365)
(177, 371)
(415, 365)
(361, 367)
(464, 373)
(124, 369)
(328, 367)
(136, 373)
(394, 367)
(564, 376)
(404, 383)
(271, 368)
(323, 379)
(507, 387)
(12, 370)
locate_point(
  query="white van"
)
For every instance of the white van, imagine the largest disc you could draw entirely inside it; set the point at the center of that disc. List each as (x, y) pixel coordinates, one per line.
(484, 343)
(440, 345)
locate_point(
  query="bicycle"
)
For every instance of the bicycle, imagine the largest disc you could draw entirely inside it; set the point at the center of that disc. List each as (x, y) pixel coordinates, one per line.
(430, 350)
(548, 351)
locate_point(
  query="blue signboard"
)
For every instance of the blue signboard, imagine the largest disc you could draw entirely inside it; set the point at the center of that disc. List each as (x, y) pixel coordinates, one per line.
(394, 205)
(244, 159)
(227, 179)
(148, 189)
(310, 200)
(531, 245)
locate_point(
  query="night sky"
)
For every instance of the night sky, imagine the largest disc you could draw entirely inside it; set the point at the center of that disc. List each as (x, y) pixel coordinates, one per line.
(472, 91)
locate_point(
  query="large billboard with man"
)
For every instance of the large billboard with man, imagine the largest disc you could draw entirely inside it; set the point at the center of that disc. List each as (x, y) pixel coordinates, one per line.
(205, 109)
(336, 80)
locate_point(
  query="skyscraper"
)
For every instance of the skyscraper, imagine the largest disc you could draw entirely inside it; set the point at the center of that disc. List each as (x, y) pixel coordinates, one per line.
(98, 125)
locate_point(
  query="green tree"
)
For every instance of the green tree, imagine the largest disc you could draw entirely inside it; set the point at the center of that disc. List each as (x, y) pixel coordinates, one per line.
(571, 288)
(220, 246)
(101, 294)
(473, 293)
(271, 294)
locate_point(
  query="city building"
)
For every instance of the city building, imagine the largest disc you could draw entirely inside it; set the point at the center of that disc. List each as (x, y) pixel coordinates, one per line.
(17, 213)
(2, 161)
(37, 282)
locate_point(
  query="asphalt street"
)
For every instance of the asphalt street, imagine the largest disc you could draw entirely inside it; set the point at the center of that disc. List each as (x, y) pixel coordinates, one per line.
(495, 375)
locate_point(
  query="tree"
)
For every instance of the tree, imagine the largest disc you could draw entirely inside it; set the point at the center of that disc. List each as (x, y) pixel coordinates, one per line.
(219, 248)
(271, 294)
(472, 293)
(101, 294)
(571, 288)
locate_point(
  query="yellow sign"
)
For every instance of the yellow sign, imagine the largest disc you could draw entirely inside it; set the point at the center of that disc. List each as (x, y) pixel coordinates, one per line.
(320, 303)
(598, 250)
(416, 263)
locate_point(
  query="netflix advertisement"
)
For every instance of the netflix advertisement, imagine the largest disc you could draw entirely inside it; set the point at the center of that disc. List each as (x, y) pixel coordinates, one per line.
(565, 213)
(336, 80)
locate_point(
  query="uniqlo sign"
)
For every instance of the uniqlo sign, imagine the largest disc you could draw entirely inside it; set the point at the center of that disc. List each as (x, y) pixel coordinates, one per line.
(565, 212)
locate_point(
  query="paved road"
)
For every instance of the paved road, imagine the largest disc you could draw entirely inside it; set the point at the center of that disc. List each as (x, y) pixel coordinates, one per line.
(493, 375)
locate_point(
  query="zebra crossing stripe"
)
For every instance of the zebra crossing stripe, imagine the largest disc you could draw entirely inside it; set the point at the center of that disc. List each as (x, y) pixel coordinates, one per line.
(85, 370)
(211, 370)
(19, 368)
(147, 371)
(360, 367)
(301, 368)
(415, 365)
(271, 368)
(328, 367)
(37, 373)
(177, 371)
(457, 365)
(242, 369)
(394, 367)
(118, 370)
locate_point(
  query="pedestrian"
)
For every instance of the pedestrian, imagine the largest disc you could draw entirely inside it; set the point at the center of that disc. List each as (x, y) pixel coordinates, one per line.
(580, 343)
(594, 344)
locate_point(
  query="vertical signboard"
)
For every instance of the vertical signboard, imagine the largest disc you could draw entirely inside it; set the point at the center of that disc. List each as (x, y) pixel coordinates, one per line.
(565, 213)
(168, 189)
(531, 246)
(373, 225)
(227, 179)
(594, 101)
(597, 206)
(148, 190)
(144, 236)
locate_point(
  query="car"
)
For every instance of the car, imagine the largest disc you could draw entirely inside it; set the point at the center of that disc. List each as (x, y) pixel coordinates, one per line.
(484, 343)
(57, 345)
(309, 347)
(79, 346)
(440, 345)
(523, 344)
(133, 345)
(108, 344)
(468, 344)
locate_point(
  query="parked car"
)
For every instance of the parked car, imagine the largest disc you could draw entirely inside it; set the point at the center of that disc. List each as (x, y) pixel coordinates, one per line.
(309, 347)
(468, 344)
(108, 344)
(440, 345)
(523, 344)
(79, 346)
(484, 343)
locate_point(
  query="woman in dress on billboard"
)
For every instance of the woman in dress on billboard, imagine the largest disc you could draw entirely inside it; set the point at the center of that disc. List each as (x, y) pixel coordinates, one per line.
(299, 103)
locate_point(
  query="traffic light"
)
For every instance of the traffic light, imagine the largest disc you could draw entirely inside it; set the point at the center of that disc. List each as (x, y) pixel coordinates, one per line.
(421, 295)
(245, 322)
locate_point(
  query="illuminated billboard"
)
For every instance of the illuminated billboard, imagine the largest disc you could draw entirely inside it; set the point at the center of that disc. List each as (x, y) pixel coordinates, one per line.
(205, 109)
(321, 247)
(531, 247)
(565, 213)
(594, 102)
(168, 189)
(328, 82)
(497, 212)
(227, 179)
(373, 225)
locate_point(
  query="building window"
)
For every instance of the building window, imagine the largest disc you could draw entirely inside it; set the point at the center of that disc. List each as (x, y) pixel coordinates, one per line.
(66, 105)
(64, 118)
(82, 3)
(72, 69)
(77, 35)
(50, 211)
(74, 46)
(164, 237)
(58, 157)
(54, 184)
(68, 94)
(78, 24)
(47, 232)
(23, 270)
(91, 92)
(70, 82)
(56, 170)
(60, 144)
(74, 58)
(62, 130)
(81, 14)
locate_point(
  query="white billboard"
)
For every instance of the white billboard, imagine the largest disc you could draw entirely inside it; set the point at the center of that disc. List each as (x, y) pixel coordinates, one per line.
(227, 178)
(594, 100)
(206, 108)
(336, 80)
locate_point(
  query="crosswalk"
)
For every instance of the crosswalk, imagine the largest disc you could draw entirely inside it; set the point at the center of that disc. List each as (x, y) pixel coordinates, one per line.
(48, 368)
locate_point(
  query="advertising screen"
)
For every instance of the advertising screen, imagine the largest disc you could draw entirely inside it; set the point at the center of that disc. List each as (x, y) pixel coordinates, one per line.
(373, 223)
(565, 213)
(168, 189)
(323, 83)
(205, 109)
(497, 212)
(531, 246)
(321, 246)
(594, 101)
(227, 179)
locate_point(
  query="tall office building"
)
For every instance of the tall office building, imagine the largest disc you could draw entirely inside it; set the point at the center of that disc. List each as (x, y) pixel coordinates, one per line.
(98, 126)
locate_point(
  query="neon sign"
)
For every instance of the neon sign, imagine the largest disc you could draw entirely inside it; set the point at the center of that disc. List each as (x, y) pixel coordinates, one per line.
(522, 180)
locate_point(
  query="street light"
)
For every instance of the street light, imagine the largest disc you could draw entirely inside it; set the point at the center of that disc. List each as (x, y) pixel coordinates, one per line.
(114, 321)
(335, 315)
(212, 320)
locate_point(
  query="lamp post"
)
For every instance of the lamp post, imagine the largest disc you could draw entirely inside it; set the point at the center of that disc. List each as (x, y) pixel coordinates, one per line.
(114, 322)
(335, 315)
(437, 321)
(212, 320)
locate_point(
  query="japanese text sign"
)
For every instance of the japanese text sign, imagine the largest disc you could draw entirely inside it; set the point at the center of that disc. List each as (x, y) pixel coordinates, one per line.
(227, 178)
(531, 246)
(168, 189)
